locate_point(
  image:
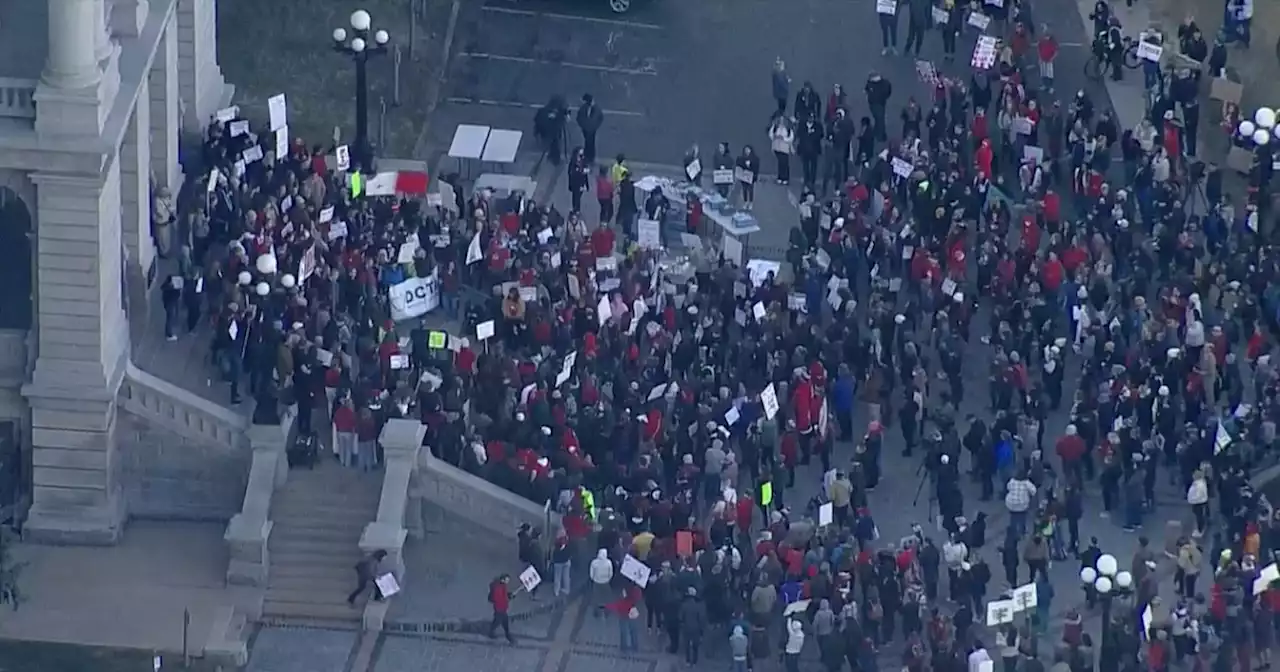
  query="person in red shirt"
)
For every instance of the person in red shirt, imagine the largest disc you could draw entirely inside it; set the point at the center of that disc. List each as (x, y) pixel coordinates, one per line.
(1047, 51)
(984, 157)
(1052, 274)
(1070, 449)
(345, 425)
(500, 599)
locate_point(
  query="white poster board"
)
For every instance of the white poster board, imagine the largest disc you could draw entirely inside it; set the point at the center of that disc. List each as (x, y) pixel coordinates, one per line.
(1024, 597)
(769, 399)
(343, 154)
(1000, 612)
(414, 297)
(889, 7)
(278, 110)
(650, 234)
(635, 570)
(387, 584)
(826, 514)
(530, 579)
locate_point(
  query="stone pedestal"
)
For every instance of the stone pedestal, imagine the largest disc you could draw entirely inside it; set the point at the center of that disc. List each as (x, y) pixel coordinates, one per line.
(83, 345)
(135, 190)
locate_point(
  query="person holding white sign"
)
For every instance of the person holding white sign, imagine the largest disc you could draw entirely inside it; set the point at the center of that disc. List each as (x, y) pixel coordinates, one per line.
(747, 171)
(783, 140)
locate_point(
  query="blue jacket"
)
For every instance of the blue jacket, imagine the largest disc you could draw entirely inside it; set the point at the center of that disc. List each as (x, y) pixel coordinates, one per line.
(843, 393)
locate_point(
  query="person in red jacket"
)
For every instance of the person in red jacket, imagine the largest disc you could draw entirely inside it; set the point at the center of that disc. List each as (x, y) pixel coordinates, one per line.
(1070, 449)
(1047, 51)
(984, 157)
(500, 599)
(1052, 274)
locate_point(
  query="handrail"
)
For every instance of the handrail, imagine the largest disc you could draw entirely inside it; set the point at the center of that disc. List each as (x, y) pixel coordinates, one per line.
(179, 410)
(17, 98)
(249, 531)
(401, 442)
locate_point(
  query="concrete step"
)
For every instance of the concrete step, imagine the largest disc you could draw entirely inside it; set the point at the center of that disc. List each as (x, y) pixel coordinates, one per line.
(319, 572)
(353, 513)
(339, 557)
(292, 531)
(330, 582)
(323, 550)
(335, 594)
(339, 611)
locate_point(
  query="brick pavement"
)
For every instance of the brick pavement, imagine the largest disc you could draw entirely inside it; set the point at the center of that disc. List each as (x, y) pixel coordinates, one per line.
(302, 650)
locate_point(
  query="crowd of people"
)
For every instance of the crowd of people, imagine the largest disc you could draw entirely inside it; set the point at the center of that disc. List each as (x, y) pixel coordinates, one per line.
(717, 434)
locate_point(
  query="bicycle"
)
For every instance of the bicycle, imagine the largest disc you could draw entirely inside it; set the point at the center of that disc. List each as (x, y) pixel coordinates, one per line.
(1095, 70)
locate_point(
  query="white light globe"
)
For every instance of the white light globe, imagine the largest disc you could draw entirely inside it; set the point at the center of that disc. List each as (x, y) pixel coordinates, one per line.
(1088, 575)
(288, 281)
(1124, 580)
(266, 264)
(1107, 565)
(244, 278)
(1103, 584)
(1261, 136)
(339, 34)
(360, 20)
(263, 289)
(1265, 117)
(357, 44)
(1246, 128)
(381, 37)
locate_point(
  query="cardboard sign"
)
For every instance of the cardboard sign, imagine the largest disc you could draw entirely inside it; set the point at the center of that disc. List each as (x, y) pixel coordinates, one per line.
(1025, 597)
(722, 176)
(889, 7)
(902, 168)
(278, 111)
(343, 154)
(693, 168)
(1149, 52)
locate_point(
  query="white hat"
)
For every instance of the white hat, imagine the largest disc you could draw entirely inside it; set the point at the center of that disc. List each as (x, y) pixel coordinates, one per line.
(1163, 391)
(899, 318)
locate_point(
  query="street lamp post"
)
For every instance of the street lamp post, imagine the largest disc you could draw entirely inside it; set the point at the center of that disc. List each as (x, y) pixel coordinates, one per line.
(1105, 578)
(364, 43)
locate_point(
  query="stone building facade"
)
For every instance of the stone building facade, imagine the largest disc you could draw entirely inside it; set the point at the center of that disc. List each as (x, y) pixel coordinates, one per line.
(87, 132)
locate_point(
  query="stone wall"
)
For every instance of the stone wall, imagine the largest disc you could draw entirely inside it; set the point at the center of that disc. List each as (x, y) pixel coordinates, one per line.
(169, 477)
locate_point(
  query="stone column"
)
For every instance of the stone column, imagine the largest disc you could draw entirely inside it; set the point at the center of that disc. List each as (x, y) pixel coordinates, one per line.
(83, 344)
(166, 172)
(201, 85)
(135, 189)
(74, 94)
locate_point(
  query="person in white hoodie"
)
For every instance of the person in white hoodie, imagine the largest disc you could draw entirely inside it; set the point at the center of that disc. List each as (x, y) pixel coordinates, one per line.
(601, 573)
(795, 644)
(782, 138)
(1198, 498)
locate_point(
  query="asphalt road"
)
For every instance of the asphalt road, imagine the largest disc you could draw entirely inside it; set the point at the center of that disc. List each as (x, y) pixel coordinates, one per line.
(674, 72)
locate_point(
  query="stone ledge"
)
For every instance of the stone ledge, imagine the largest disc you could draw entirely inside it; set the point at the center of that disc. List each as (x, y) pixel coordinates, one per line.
(226, 644)
(375, 615)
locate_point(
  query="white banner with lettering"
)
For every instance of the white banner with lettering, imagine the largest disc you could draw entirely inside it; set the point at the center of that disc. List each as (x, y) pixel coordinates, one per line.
(414, 297)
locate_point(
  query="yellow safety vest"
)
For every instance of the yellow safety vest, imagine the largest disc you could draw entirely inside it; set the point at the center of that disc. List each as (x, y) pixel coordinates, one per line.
(589, 505)
(766, 493)
(357, 184)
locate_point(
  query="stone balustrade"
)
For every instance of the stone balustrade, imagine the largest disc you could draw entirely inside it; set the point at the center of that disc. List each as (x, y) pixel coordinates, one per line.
(17, 98)
(179, 410)
(401, 443)
(476, 500)
(249, 531)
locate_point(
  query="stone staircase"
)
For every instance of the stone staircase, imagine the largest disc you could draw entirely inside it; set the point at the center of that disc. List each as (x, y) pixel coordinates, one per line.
(317, 520)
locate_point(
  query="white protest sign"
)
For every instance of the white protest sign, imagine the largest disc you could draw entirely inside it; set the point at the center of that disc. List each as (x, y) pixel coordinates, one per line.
(414, 297)
(901, 167)
(1025, 597)
(1000, 612)
(1022, 125)
(758, 311)
(278, 110)
(940, 15)
(769, 399)
(307, 265)
(889, 7)
(722, 176)
(1147, 618)
(603, 310)
(530, 579)
(1149, 52)
(826, 514)
(1221, 440)
(407, 250)
(485, 330)
(760, 269)
(979, 20)
(239, 128)
(948, 286)
(337, 230)
(732, 416)
(227, 113)
(253, 153)
(343, 153)
(399, 362)
(1269, 574)
(387, 585)
(693, 168)
(650, 234)
(282, 142)
(635, 570)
